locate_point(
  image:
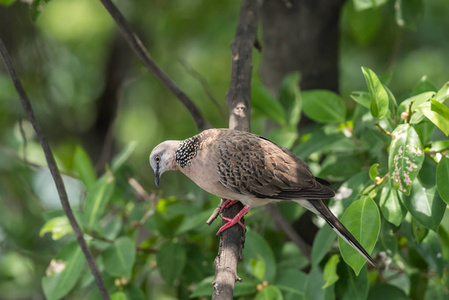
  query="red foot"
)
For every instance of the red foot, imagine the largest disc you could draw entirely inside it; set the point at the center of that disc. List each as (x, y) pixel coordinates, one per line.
(227, 204)
(235, 220)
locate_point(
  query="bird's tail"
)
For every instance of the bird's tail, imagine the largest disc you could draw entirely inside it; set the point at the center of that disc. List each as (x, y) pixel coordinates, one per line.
(323, 211)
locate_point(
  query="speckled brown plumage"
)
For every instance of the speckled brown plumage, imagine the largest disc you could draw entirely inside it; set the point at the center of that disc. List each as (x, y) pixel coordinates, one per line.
(249, 168)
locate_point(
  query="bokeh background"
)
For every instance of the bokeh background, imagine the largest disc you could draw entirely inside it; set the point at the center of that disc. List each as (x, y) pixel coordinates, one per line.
(87, 88)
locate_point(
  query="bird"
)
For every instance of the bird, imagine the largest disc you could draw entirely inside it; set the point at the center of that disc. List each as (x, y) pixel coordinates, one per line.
(246, 167)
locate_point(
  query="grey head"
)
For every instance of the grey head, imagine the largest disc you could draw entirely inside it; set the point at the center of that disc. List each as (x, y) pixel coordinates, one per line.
(162, 158)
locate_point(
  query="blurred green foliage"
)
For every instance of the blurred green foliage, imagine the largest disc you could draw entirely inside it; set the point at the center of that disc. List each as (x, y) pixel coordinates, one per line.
(155, 244)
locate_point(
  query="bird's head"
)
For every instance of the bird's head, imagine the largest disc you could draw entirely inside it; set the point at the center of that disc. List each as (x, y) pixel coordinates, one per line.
(162, 158)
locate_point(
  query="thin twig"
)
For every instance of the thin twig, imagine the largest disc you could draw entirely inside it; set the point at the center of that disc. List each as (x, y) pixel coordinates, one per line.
(382, 129)
(54, 170)
(289, 231)
(215, 213)
(136, 45)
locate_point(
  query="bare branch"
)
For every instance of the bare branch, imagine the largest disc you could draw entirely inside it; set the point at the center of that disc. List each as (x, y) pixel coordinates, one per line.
(136, 45)
(238, 100)
(54, 170)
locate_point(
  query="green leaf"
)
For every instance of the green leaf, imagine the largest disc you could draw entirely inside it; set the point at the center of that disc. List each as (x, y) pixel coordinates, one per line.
(439, 145)
(264, 102)
(409, 13)
(322, 244)
(379, 96)
(442, 93)
(406, 157)
(290, 98)
(171, 259)
(390, 205)
(324, 106)
(425, 205)
(96, 200)
(386, 291)
(330, 270)
(437, 113)
(293, 284)
(257, 249)
(84, 168)
(373, 172)
(415, 100)
(59, 227)
(350, 286)
(118, 296)
(314, 286)
(257, 268)
(119, 258)
(443, 178)
(269, 293)
(123, 156)
(362, 219)
(362, 98)
(65, 270)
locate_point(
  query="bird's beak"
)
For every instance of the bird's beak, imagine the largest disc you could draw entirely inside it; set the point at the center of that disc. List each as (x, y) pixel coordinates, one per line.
(157, 175)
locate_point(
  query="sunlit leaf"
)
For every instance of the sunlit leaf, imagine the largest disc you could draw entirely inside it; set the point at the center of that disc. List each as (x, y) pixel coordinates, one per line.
(118, 296)
(171, 260)
(425, 205)
(362, 98)
(330, 270)
(379, 96)
(367, 4)
(405, 158)
(362, 219)
(323, 106)
(58, 227)
(119, 258)
(436, 112)
(442, 93)
(63, 272)
(373, 172)
(443, 179)
(271, 292)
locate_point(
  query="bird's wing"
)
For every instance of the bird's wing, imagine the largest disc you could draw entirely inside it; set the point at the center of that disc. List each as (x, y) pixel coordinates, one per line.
(251, 165)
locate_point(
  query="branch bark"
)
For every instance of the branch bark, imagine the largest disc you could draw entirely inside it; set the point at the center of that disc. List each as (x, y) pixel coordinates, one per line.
(238, 100)
(136, 45)
(53, 169)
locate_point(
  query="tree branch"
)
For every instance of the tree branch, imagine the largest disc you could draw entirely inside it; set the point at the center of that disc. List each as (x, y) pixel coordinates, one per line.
(136, 45)
(238, 100)
(54, 170)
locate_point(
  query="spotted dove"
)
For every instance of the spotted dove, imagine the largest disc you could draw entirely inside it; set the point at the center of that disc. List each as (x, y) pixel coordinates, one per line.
(249, 168)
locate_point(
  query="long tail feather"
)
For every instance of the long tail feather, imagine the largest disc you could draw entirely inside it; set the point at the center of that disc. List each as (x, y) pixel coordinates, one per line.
(323, 211)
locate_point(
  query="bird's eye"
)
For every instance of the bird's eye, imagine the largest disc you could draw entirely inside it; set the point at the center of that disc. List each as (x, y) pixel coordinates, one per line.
(157, 158)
